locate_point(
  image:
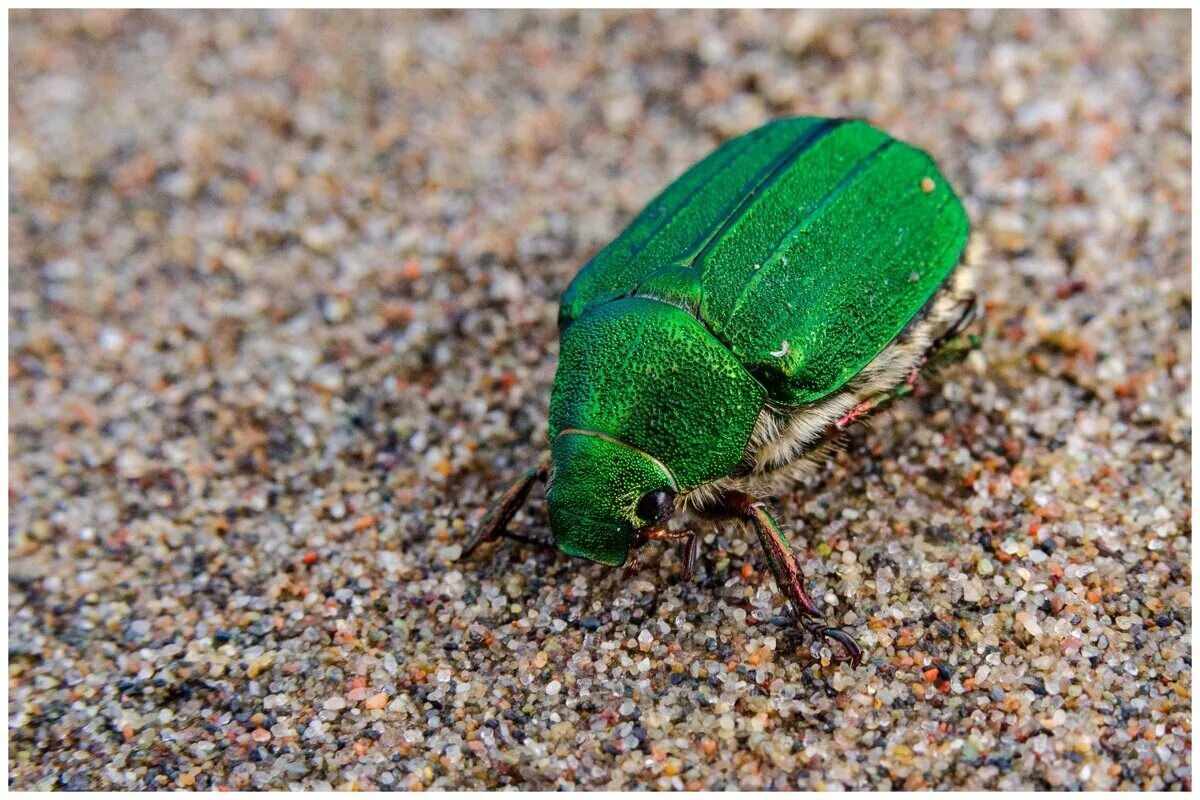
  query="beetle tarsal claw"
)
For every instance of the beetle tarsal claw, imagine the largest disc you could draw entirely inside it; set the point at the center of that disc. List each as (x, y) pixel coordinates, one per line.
(852, 652)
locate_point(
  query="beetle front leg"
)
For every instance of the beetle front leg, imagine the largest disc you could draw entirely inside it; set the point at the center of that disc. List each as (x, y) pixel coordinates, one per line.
(787, 572)
(691, 547)
(501, 512)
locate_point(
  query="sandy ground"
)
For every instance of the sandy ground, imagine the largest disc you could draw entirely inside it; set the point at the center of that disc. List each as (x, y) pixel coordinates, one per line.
(283, 292)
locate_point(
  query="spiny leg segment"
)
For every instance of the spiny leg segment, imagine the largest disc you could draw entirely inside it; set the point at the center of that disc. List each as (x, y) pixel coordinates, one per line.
(501, 512)
(787, 572)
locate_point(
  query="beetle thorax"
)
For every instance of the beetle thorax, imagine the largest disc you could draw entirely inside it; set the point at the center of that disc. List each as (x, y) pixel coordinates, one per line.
(650, 375)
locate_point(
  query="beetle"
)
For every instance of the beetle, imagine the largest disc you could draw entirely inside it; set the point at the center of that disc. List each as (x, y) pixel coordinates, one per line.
(795, 281)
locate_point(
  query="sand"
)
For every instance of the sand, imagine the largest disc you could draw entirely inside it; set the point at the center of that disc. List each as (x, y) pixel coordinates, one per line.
(283, 295)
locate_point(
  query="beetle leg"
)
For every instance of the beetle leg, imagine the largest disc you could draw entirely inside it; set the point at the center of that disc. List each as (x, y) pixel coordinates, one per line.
(969, 313)
(876, 402)
(631, 565)
(517, 537)
(788, 574)
(949, 347)
(691, 547)
(691, 553)
(950, 353)
(492, 526)
(779, 553)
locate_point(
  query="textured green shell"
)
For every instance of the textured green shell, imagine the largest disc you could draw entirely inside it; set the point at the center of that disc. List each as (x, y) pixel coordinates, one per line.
(804, 247)
(645, 372)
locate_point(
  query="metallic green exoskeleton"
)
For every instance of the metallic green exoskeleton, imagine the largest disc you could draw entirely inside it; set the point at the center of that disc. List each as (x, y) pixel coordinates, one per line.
(792, 282)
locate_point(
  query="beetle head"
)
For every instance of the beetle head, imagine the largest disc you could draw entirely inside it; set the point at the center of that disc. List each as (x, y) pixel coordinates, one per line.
(604, 496)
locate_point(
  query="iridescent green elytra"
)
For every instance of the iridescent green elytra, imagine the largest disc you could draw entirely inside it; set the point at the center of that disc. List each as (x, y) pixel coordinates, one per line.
(763, 284)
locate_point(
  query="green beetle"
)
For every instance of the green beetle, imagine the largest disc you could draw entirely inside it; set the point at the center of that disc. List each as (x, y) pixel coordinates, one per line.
(796, 280)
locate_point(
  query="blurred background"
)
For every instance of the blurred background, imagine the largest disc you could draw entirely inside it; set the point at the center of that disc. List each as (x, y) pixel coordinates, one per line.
(282, 302)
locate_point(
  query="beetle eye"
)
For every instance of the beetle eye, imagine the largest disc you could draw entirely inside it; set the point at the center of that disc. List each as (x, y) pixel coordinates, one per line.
(657, 507)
